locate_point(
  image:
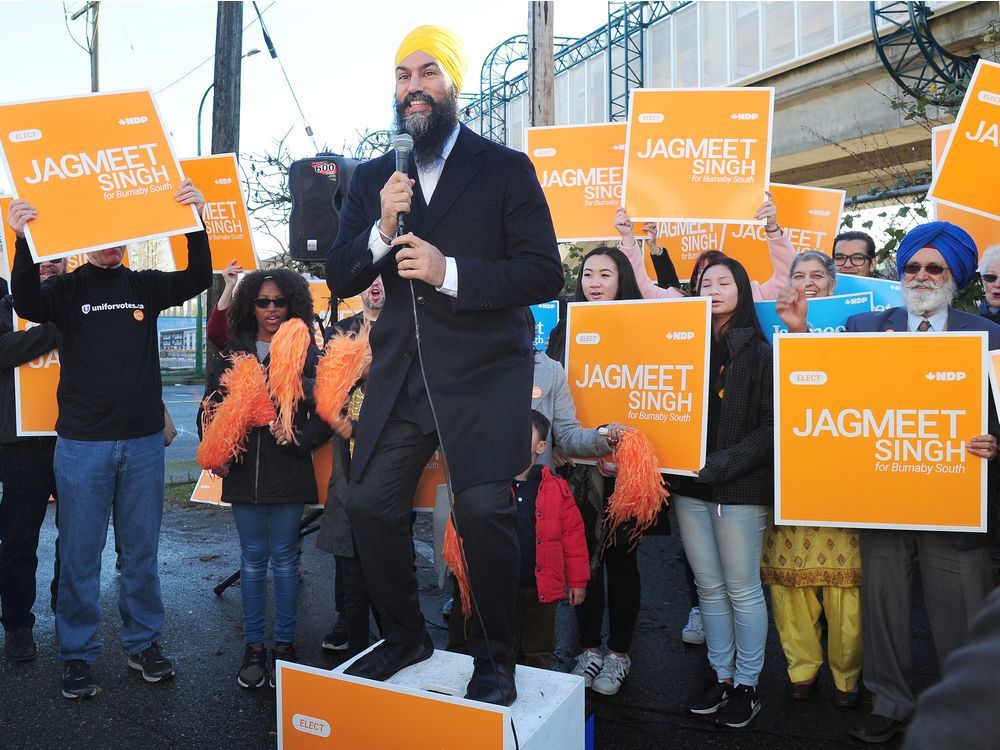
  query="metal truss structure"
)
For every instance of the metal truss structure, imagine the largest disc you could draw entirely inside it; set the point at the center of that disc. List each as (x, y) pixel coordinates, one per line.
(504, 77)
(913, 57)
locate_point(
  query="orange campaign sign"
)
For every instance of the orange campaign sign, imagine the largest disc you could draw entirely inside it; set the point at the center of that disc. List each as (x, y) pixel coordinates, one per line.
(580, 171)
(322, 297)
(225, 216)
(341, 712)
(901, 458)
(973, 148)
(698, 155)
(98, 167)
(995, 378)
(984, 230)
(35, 382)
(655, 382)
(810, 217)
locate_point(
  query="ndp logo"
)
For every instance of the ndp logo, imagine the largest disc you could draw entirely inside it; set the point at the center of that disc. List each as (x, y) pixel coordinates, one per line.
(310, 725)
(679, 335)
(818, 212)
(588, 338)
(224, 181)
(141, 120)
(807, 377)
(744, 116)
(948, 376)
(856, 301)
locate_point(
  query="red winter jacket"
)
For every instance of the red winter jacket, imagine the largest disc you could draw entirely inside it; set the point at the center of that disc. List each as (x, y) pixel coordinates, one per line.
(561, 559)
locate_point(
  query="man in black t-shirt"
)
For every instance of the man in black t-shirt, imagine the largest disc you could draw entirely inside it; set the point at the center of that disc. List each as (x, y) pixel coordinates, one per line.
(109, 450)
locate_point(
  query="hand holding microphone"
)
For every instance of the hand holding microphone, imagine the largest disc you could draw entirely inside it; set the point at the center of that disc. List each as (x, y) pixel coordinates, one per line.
(397, 195)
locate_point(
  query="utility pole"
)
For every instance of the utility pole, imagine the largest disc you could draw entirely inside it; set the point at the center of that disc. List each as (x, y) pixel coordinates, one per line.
(92, 9)
(225, 131)
(541, 64)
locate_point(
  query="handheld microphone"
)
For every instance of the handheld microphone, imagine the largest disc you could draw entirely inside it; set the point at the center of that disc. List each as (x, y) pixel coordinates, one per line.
(403, 144)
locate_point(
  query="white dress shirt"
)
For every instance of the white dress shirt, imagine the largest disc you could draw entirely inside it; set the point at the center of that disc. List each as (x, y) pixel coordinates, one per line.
(938, 321)
(429, 177)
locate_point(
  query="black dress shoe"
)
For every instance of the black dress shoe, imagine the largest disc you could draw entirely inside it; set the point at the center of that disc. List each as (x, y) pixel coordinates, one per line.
(875, 729)
(388, 658)
(487, 686)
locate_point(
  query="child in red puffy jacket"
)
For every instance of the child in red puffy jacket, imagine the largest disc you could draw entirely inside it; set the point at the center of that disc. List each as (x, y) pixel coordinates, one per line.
(554, 555)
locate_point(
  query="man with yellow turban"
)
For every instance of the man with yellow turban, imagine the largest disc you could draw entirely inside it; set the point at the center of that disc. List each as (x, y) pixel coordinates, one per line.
(451, 355)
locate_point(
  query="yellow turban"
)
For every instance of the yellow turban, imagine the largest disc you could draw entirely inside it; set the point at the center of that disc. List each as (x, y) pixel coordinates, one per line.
(441, 44)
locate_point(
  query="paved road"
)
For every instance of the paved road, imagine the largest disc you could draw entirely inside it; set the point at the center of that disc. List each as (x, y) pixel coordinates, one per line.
(204, 708)
(182, 403)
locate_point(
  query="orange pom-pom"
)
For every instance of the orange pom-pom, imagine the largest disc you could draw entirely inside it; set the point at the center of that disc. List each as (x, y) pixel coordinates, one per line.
(289, 347)
(226, 424)
(452, 554)
(345, 358)
(639, 490)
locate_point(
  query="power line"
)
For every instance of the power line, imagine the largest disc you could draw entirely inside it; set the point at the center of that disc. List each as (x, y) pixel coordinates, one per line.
(212, 56)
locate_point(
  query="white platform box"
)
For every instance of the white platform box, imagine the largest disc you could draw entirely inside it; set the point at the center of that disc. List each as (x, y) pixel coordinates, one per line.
(422, 708)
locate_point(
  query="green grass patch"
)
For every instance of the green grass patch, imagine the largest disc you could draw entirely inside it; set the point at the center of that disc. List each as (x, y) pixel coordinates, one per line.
(179, 492)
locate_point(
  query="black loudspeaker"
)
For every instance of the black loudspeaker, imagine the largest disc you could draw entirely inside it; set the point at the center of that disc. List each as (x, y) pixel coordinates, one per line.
(318, 187)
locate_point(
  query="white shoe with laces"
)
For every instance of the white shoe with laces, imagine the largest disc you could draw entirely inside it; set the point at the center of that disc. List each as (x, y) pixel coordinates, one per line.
(588, 665)
(609, 680)
(693, 633)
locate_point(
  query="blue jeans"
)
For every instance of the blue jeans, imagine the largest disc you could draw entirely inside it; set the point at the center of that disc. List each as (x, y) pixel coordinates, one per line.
(92, 477)
(723, 545)
(269, 532)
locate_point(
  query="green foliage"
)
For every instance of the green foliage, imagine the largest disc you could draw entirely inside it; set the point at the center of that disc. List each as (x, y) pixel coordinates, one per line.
(571, 266)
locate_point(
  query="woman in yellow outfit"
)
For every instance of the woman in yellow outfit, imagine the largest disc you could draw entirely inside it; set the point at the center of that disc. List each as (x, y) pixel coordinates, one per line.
(814, 570)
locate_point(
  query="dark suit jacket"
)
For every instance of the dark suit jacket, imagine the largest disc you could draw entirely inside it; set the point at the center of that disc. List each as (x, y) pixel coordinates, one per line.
(896, 319)
(488, 212)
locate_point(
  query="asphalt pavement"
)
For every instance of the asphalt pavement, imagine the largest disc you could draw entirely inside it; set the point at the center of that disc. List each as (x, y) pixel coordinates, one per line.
(204, 708)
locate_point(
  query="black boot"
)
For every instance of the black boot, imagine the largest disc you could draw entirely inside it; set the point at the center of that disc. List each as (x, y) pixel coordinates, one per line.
(492, 674)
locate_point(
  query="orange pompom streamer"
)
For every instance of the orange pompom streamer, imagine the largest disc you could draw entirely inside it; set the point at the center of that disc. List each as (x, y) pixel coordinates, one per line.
(226, 424)
(639, 490)
(289, 347)
(345, 358)
(452, 553)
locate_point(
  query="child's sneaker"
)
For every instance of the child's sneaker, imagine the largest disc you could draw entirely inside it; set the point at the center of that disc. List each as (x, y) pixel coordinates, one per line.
(588, 664)
(743, 705)
(609, 680)
(253, 670)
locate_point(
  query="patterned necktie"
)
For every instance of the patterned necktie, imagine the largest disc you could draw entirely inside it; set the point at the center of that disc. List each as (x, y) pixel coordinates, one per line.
(925, 325)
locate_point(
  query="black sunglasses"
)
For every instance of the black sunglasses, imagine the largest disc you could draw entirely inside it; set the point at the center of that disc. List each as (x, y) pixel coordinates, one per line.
(265, 302)
(990, 278)
(933, 269)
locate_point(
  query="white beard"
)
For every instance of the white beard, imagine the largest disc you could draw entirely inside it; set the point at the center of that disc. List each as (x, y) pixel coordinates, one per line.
(922, 298)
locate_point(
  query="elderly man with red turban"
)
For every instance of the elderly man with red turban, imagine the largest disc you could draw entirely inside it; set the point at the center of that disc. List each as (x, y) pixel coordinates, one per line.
(451, 355)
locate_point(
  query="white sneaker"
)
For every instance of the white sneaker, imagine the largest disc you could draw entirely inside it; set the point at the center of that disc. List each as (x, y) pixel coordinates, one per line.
(588, 665)
(693, 632)
(609, 680)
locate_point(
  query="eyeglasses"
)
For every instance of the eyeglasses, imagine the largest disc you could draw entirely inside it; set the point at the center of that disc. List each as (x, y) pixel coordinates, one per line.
(265, 302)
(857, 259)
(990, 278)
(932, 269)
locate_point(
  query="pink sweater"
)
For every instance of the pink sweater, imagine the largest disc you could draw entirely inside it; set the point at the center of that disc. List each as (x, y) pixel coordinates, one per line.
(782, 254)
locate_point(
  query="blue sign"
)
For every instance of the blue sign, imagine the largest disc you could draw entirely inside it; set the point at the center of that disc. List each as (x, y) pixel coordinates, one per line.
(546, 316)
(826, 314)
(885, 293)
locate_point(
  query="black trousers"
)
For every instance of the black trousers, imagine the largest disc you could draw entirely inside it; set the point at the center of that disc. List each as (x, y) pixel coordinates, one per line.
(28, 483)
(353, 603)
(379, 505)
(624, 588)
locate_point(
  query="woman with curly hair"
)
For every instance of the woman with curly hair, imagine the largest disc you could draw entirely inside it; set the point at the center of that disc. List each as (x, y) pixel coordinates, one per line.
(269, 484)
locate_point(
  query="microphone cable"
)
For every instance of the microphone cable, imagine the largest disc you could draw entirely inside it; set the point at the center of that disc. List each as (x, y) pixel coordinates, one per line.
(451, 493)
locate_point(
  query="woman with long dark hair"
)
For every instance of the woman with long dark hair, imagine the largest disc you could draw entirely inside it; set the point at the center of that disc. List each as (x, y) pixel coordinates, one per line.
(605, 275)
(722, 512)
(272, 481)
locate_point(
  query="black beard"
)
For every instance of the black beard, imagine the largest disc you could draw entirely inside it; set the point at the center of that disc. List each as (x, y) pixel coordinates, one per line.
(430, 129)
